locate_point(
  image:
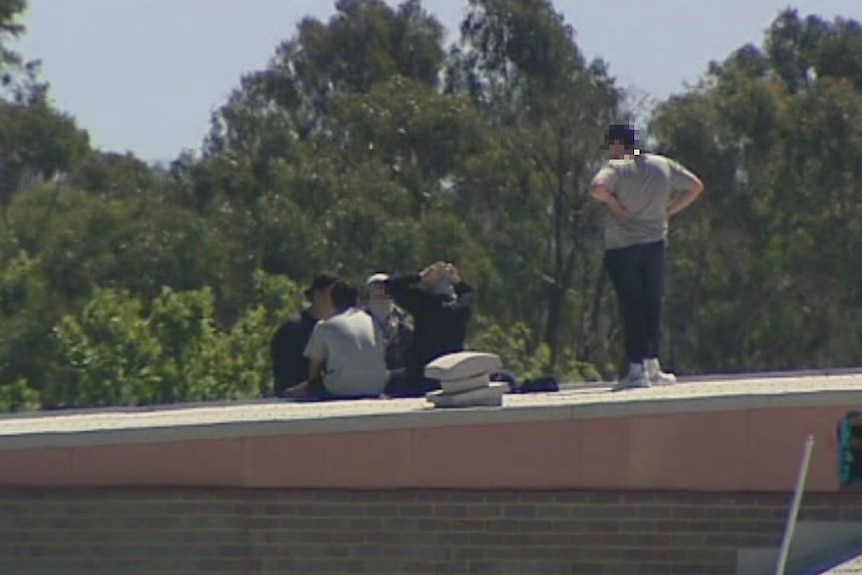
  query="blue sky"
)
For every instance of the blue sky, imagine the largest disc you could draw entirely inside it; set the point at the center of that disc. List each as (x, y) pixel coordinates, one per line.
(145, 75)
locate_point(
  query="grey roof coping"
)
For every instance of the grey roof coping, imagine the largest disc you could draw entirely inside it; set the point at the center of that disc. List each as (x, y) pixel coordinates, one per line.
(189, 422)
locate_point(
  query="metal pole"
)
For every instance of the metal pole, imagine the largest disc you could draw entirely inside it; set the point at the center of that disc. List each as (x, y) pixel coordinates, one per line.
(794, 509)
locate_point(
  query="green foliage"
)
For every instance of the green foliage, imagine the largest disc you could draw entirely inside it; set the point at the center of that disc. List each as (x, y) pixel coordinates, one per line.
(523, 353)
(18, 396)
(517, 346)
(119, 351)
(112, 355)
(765, 262)
(28, 309)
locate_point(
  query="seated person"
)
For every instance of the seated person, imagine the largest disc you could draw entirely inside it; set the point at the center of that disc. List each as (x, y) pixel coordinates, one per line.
(345, 352)
(437, 300)
(391, 320)
(287, 347)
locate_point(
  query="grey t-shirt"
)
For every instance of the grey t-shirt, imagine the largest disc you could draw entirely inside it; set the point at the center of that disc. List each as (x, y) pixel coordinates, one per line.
(351, 347)
(644, 185)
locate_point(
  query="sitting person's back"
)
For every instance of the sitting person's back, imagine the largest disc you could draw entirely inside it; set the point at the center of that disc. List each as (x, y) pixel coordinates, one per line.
(289, 365)
(349, 346)
(288, 343)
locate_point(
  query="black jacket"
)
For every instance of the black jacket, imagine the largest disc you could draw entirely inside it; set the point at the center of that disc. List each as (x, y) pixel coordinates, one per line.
(439, 323)
(287, 347)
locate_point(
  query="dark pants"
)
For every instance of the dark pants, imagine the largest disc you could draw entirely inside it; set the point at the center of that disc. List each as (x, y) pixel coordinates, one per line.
(637, 274)
(407, 383)
(317, 391)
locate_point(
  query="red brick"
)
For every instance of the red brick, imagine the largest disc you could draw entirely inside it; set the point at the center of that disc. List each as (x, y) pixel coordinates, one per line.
(607, 539)
(450, 511)
(214, 531)
(553, 511)
(451, 568)
(381, 510)
(655, 512)
(434, 524)
(536, 526)
(687, 512)
(518, 511)
(576, 497)
(655, 540)
(501, 525)
(570, 526)
(673, 526)
(483, 511)
(604, 526)
(686, 540)
(605, 512)
(467, 525)
(415, 510)
(639, 526)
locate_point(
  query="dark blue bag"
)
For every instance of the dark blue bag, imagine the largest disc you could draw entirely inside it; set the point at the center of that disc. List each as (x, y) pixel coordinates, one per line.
(544, 384)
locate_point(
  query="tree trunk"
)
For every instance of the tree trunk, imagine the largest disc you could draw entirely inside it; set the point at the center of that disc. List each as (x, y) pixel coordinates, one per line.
(565, 251)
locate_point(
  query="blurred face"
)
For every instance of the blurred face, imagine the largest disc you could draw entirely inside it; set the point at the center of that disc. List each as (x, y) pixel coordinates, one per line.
(377, 292)
(379, 301)
(616, 150)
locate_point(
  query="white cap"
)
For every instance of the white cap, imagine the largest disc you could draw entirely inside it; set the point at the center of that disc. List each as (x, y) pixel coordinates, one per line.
(376, 279)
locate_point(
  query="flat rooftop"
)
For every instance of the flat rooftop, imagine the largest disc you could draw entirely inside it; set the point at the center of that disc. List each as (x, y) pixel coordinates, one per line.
(186, 422)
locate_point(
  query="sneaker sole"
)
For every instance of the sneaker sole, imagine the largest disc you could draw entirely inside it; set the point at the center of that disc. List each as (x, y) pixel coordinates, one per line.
(626, 387)
(662, 383)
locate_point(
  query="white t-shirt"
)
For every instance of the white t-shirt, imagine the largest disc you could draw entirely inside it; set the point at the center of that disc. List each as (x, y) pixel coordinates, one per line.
(352, 349)
(644, 186)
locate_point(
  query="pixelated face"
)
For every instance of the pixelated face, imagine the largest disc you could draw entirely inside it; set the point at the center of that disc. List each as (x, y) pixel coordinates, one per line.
(616, 150)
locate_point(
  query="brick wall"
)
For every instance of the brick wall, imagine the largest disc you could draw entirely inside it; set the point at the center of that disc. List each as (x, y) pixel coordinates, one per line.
(244, 532)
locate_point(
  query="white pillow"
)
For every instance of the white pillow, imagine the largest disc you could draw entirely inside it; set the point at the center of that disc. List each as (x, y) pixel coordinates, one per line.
(491, 396)
(462, 365)
(451, 386)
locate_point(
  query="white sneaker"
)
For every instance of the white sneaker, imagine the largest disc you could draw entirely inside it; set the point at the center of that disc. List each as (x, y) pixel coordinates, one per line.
(634, 379)
(655, 375)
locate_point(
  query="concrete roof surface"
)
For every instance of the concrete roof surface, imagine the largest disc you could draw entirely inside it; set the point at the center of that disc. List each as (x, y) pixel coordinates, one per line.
(270, 417)
(850, 567)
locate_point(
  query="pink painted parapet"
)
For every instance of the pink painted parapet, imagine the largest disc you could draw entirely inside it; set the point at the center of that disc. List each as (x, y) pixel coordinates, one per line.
(745, 450)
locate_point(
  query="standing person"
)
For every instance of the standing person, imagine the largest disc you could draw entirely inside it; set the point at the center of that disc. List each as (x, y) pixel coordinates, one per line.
(287, 346)
(390, 319)
(642, 192)
(345, 352)
(437, 298)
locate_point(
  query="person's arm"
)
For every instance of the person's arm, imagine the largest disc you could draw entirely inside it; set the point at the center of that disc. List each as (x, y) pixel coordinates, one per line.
(686, 198)
(462, 288)
(602, 190)
(406, 294)
(603, 194)
(317, 352)
(315, 372)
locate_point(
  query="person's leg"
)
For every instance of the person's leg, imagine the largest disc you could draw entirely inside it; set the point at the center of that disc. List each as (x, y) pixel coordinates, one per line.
(306, 391)
(626, 278)
(654, 269)
(316, 391)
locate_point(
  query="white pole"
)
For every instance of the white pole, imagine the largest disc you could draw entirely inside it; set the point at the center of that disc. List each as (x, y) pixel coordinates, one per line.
(794, 509)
